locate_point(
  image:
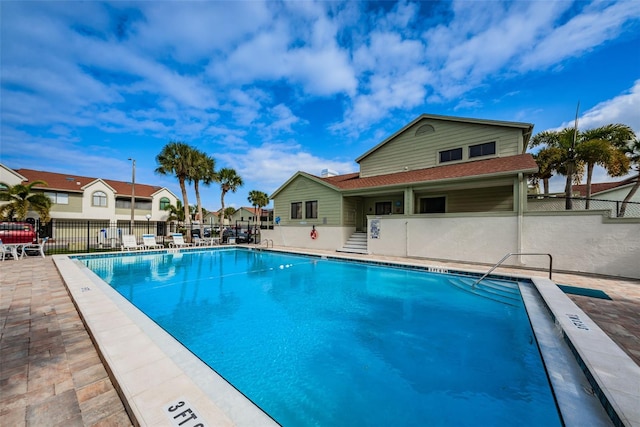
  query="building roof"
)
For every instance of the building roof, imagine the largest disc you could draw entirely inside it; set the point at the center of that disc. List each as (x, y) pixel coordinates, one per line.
(496, 166)
(527, 129)
(603, 186)
(76, 183)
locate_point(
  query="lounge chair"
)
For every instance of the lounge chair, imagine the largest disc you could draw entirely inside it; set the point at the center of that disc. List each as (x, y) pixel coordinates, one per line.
(129, 243)
(178, 241)
(34, 247)
(149, 242)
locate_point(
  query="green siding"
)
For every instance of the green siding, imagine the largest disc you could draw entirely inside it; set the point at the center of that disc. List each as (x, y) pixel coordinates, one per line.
(303, 190)
(75, 204)
(488, 199)
(418, 152)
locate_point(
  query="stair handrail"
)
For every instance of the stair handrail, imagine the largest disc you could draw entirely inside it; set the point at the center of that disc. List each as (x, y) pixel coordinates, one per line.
(509, 255)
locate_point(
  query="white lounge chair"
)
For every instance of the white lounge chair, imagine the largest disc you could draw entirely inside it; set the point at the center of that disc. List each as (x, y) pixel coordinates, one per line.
(178, 241)
(34, 247)
(149, 242)
(129, 243)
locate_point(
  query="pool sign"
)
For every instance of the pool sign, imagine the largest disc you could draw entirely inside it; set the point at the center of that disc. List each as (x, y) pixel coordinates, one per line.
(182, 414)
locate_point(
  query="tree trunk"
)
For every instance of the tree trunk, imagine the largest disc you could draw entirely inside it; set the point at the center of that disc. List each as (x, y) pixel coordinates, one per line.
(589, 175)
(196, 187)
(183, 188)
(627, 199)
(545, 185)
(567, 188)
(221, 216)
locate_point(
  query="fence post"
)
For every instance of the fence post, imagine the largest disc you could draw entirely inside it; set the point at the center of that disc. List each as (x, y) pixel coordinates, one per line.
(88, 235)
(617, 208)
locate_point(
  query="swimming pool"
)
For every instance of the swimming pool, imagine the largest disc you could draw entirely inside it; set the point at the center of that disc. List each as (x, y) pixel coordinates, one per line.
(324, 342)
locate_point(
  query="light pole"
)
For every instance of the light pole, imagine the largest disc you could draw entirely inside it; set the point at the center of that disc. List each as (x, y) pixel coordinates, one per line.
(148, 218)
(133, 194)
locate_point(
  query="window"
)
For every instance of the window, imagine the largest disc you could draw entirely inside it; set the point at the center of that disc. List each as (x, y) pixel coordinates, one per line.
(140, 204)
(58, 198)
(433, 205)
(99, 198)
(451, 155)
(164, 203)
(482, 149)
(311, 209)
(383, 208)
(296, 210)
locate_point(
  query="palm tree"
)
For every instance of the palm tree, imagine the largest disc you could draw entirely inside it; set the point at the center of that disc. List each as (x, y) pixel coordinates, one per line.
(176, 213)
(228, 213)
(176, 158)
(258, 200)
(229, 181)
(203, 169)
(549, 160)
(565, 162)
(633, 153)
(604, 146)
(21, 200)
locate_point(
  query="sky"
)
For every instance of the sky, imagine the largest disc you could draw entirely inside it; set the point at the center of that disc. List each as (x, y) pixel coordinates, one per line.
(272, 88)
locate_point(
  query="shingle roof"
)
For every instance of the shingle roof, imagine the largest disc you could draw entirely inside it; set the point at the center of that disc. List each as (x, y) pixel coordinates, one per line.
(68, 182)
(603, 186)
(513, 164)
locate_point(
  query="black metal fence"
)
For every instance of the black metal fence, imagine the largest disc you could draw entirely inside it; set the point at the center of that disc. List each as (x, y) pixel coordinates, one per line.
(541, 203)
(75, 236)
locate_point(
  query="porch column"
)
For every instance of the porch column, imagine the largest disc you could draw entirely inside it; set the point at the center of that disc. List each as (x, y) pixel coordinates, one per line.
(408, 201)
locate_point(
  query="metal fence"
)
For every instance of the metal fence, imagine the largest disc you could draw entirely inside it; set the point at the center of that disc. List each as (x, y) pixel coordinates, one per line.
(74, 236)
(541, 203)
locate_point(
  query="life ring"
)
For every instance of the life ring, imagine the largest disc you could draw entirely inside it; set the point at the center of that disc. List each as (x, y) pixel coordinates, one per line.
(314, 234)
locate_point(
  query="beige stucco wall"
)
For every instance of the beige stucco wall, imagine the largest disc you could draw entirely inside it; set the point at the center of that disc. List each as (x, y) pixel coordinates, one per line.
(587, 242)
(472, 238)
(329, 238)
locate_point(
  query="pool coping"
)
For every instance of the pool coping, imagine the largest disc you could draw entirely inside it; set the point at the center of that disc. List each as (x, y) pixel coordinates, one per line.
(121, 333)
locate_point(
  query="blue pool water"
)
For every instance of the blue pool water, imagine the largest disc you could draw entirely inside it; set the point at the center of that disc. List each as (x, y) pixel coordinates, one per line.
(317, 342)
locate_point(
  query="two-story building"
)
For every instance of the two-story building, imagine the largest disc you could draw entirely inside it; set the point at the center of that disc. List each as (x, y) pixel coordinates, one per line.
(99, 201)
(433, 166)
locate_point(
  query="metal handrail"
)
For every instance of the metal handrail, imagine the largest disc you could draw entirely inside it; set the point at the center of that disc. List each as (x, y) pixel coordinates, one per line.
(511, 254)
(266, 241)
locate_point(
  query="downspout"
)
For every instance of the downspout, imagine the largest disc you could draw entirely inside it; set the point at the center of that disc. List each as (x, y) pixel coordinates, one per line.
(520, 207)
(406, 239)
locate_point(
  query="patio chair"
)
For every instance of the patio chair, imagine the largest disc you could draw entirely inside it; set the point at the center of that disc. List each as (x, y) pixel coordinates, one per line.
(129, 243)
(178, 241)
(201, 241)
(37, 248)
(149, 242)
(8, 250)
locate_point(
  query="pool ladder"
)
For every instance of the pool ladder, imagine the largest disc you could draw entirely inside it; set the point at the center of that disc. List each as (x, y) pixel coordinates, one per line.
(507, 256)
(266, 242)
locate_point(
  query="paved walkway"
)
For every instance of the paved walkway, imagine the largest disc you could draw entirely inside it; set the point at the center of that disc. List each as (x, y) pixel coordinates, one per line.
(50, 372)
(51, 375)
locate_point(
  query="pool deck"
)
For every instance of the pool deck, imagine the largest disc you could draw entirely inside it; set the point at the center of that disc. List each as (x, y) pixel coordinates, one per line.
(51, 373)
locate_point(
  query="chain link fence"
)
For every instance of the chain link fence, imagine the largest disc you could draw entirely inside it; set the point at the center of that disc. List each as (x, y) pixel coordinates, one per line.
(541, 203)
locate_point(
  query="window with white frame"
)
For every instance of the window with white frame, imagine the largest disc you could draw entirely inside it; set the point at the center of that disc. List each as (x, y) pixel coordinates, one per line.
(99, 198)
(57, 198)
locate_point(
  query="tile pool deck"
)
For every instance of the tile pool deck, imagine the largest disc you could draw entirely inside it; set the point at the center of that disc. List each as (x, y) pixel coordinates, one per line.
(51, 373)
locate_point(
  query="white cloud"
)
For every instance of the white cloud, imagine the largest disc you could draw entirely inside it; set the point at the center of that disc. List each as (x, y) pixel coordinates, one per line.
(270, 165)
(600, 22)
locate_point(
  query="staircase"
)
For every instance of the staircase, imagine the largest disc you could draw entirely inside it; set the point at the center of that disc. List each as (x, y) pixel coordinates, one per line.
(357, 244)
(497, 290)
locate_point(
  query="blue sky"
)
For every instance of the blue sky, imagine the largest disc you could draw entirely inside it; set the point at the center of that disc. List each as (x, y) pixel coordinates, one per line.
(270, 88)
